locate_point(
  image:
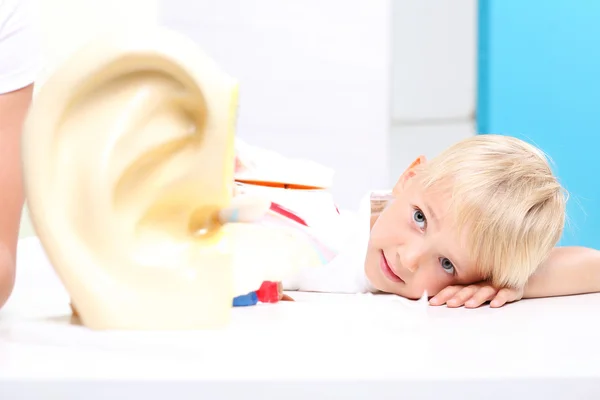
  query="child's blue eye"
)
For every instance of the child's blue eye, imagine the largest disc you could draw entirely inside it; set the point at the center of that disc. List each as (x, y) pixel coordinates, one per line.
(419, 218)
(447, 265)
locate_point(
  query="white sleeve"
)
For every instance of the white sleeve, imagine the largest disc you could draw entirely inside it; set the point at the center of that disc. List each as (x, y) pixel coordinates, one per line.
(345, 273)
(20, 46)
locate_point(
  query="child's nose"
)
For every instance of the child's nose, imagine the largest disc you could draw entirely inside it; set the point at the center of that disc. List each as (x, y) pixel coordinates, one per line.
(410, 257)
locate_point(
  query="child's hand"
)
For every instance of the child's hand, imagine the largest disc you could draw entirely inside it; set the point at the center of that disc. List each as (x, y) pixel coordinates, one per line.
(473, 296)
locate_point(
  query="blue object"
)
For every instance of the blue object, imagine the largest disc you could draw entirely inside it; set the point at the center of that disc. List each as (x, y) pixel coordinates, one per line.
(245, 300)
(539, 81)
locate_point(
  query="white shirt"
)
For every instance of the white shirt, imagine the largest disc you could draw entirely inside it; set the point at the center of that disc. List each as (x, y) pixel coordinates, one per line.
(345, 272)
(340, 236)
(20, 55)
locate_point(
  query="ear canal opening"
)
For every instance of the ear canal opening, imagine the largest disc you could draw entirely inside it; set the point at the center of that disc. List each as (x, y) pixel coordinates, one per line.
(204, 222)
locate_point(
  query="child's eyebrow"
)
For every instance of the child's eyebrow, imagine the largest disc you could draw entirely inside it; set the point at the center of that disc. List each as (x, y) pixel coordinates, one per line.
(430, 212)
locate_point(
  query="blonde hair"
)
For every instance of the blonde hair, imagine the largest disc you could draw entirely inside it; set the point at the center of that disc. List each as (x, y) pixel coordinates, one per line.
(506, 200)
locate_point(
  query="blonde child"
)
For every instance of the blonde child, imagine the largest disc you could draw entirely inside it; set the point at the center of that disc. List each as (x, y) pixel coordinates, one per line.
(477, 223)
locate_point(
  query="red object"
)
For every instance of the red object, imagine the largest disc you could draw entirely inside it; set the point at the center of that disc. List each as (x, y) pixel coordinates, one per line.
(268, 292)
(279, 209)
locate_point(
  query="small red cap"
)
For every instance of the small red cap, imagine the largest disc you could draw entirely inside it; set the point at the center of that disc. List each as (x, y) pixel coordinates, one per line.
(268, 292)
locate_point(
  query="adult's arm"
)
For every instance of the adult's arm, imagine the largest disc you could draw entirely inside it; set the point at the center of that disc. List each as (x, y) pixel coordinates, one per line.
(20, 62)
(13, 108)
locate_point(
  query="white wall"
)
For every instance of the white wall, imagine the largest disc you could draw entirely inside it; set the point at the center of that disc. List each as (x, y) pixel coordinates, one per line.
(434, 79)
(69, 24)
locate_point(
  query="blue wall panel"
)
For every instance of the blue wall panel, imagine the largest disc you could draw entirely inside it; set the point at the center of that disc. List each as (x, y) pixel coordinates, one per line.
(539, 80)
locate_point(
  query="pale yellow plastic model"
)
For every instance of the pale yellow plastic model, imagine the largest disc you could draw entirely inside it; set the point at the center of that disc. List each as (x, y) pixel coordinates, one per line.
(128, 155)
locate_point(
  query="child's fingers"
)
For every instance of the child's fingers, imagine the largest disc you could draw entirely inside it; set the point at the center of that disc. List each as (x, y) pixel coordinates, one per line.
(462, 296)
(444, 295)
(504, 296)
(485, 293)
(474, 296)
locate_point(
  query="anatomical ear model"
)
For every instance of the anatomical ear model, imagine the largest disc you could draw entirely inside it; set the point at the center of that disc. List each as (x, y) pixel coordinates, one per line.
(128, 155)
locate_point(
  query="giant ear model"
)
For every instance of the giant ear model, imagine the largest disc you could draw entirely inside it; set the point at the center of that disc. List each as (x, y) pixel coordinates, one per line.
(128, 156)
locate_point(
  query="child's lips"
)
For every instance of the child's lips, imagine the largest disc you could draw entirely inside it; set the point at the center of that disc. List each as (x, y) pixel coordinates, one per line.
(387, 269)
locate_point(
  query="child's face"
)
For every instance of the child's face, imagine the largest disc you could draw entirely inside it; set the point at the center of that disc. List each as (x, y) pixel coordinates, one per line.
(414, 246)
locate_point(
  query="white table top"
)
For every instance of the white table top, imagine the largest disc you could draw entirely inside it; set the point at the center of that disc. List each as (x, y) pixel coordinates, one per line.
(318, 337)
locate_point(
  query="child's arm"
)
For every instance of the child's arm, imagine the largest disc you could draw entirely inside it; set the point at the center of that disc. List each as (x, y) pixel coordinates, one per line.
(568, 271)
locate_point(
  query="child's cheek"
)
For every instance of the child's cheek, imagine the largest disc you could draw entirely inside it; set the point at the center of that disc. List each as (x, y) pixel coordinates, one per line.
(429, 279)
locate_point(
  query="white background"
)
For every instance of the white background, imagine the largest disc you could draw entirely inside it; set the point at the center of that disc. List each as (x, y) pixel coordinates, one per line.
(364, 87)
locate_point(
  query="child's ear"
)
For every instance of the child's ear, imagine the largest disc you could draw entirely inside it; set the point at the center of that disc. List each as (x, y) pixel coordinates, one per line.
(409, 173)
